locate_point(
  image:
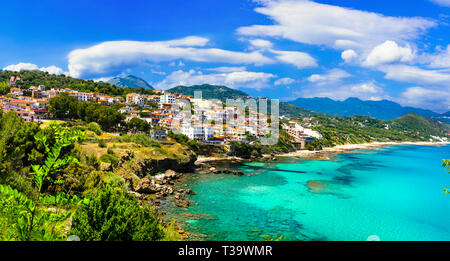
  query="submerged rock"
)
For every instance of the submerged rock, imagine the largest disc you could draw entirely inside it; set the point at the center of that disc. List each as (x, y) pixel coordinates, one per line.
(316, 186)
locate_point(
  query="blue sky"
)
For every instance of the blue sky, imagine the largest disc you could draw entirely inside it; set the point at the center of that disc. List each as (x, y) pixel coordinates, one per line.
(397, 50)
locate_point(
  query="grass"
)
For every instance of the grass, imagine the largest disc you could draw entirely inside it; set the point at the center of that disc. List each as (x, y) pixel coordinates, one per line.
(166, 149)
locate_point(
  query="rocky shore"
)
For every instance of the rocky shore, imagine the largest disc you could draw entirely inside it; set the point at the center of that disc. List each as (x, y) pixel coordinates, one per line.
(160, 187)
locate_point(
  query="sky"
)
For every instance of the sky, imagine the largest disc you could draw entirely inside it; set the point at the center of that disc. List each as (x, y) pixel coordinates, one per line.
(284, 49)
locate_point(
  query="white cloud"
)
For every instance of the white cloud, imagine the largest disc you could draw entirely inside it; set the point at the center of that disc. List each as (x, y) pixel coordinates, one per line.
(412, 74)
(442, 2)
(298, 59)
(31, 67)
(332, 76)
(21, 66)
(102, 79)
(255, 80)
(320, 24)
(363, 91)
(110, 58)
(349, 55)
(158, 72)
(284, 81)
(52, 70)
(439, 60)
(388, 52)
(227, 69)
(260, 44)
(425, 98)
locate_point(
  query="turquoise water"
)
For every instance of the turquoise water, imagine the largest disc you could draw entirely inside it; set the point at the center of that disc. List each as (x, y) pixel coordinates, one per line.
(394, 193)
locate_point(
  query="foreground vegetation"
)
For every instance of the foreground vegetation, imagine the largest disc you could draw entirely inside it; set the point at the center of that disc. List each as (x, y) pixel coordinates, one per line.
(51, 188)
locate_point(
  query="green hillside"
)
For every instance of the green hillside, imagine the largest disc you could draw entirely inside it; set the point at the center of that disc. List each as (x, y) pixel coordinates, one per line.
(420, 126)
(361, 129)
(35, 78)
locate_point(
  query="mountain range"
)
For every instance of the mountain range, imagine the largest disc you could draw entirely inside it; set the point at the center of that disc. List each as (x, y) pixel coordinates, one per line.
(130, 81)
(384, 109)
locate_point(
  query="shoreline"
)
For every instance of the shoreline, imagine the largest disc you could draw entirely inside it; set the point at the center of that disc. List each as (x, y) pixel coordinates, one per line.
(351, 147)
(308, 153)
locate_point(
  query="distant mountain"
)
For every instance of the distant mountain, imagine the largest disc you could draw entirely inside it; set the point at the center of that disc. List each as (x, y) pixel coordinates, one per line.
(384, 109)
(424, 126)
(222, 93)
(447, 114)
(130, 81)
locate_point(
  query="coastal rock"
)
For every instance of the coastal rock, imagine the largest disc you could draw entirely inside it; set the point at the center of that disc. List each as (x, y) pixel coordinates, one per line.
(129, 163)
(138, 195)
(189, 192)
(145, 185)
(227, 171)
(182, 203)
(171, 175)
(198, 216)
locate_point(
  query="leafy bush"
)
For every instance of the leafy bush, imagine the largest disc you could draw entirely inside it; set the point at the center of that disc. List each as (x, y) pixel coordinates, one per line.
(101, 143)
(94, 127)
(92, 161)
(27, 218)
(110, 151)
(112, 215)
(109, 158)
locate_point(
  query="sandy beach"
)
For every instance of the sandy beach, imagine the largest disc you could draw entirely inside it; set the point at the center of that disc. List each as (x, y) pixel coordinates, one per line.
(351, 147)
(333, 150)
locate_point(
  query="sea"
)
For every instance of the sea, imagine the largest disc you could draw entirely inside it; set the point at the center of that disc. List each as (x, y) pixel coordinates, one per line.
(392, 193)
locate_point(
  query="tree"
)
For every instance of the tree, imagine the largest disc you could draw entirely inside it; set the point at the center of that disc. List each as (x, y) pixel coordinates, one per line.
(26, 215)
(111, 215)
(18, 149)
(67, 107)
(4, 88)
(136, 124)
(62, 106)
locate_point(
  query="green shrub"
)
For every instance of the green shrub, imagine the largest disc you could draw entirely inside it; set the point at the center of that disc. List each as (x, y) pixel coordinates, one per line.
(101, 143)
(110, 151)
(92, 161)
(94, 127)
(109, 158)
(111, 215)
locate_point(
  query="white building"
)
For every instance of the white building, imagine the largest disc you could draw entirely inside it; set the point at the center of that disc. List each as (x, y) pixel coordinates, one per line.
(167, 98)
(197, 132)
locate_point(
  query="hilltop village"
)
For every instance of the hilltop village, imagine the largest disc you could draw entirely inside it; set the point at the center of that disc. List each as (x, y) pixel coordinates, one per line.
(210, 122)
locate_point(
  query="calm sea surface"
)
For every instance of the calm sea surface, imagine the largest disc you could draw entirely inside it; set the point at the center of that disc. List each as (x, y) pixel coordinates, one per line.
(393, 193)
